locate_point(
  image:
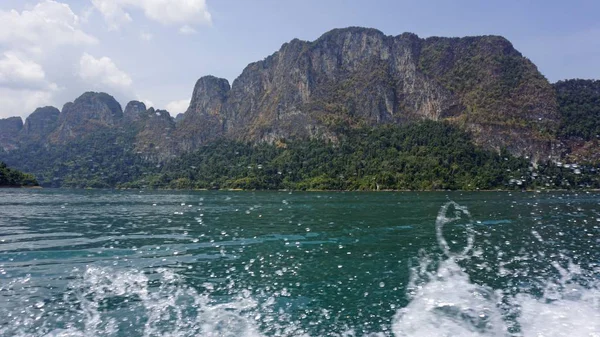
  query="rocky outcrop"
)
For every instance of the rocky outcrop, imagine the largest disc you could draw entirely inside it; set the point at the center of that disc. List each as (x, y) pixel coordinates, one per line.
(9, 131)
(204, 118)
(348, 77)
(210, 93)
(40, 124)
(154, 140)
(508, 102)
(579, 132)
(358, 77)
(88, 113)
(134, 111)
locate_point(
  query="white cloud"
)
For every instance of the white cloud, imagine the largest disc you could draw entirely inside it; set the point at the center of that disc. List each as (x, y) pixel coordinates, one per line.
(103, 70)
(176, 107)
(48, 24)
(23, 86)
(22, 102)
(113, 13)
(167, 12)
(146, 36)
(15, 71)
(187, 30)
(30, 40)
(147, 102)
(176, 11)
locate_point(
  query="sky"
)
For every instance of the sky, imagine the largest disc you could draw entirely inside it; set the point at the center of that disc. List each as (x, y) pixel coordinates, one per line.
(51, 51)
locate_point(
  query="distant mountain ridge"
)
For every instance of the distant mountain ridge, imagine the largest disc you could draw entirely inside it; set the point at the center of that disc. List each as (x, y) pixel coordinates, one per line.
(348, 78)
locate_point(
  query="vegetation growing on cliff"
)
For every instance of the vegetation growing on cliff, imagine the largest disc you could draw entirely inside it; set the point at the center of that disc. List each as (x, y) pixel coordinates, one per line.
(101, 160)
(579, 105)
(420, 156)
(494, 82)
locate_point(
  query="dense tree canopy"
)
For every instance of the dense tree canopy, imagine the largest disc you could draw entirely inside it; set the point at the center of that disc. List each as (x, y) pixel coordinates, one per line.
(419, 156)
(13, 178)
(579, 104)
(101, 160)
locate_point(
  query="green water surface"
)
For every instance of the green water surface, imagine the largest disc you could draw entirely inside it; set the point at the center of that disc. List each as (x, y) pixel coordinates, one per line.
(316, 262)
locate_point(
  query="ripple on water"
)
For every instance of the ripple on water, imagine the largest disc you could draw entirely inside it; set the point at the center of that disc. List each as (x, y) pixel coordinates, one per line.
(336, 264)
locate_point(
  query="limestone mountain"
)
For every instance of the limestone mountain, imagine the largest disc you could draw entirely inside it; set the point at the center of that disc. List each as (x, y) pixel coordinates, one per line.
(134, 111)
(85, 115)
(204, 119)
(40, 123)
(10, 129)
(153, 140)
(323, 90)
(357, 76)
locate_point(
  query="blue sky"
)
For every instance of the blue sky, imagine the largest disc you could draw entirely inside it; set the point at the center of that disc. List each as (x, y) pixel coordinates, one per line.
(155, 50)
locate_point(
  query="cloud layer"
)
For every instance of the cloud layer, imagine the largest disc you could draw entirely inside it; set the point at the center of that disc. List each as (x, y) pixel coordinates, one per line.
(103, 70)
(27, 39)
(167, 12)
(18, 73)
(48, 25)
(49, 55)
(177, 107)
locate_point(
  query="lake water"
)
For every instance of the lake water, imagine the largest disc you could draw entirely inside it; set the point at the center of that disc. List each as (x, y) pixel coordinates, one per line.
(211, 263)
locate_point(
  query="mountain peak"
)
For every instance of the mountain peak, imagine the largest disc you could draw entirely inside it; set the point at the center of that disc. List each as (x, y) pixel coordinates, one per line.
(353, 30)
(92, 99)
(209, 94)
(88, 112)
(134, 110)
(41, 123)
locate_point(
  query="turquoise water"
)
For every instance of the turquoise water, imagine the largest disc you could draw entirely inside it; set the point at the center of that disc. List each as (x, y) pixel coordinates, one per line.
(211, 263)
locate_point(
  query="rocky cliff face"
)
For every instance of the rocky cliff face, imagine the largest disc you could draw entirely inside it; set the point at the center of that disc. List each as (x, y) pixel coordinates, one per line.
(40, 124)
(89, 112)
(134, 111)
(154, 140)
(507, 102)
(9, 131)
(204, 118)
(356, 76)
(347, 78)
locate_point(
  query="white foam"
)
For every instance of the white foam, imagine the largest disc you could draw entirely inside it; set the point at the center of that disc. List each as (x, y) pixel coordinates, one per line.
(171, 309)
(444, 301)
(450, 305)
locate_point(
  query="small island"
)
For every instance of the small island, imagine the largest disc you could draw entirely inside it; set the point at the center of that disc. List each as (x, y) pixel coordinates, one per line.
(13, 178)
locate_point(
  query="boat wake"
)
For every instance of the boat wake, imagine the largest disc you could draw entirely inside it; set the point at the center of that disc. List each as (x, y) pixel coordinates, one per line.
(443, 301)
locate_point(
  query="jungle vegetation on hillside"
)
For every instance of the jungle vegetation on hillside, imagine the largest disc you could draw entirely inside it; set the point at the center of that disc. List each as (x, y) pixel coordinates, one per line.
(579, 104)
(419, 156)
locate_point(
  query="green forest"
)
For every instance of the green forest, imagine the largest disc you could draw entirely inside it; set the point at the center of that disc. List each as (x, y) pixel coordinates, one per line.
(579, 104)
(419, 156)
(13, 178)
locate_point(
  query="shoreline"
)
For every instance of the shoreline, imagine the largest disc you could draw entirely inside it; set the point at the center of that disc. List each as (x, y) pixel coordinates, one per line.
(307, 190)
(28, 187)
